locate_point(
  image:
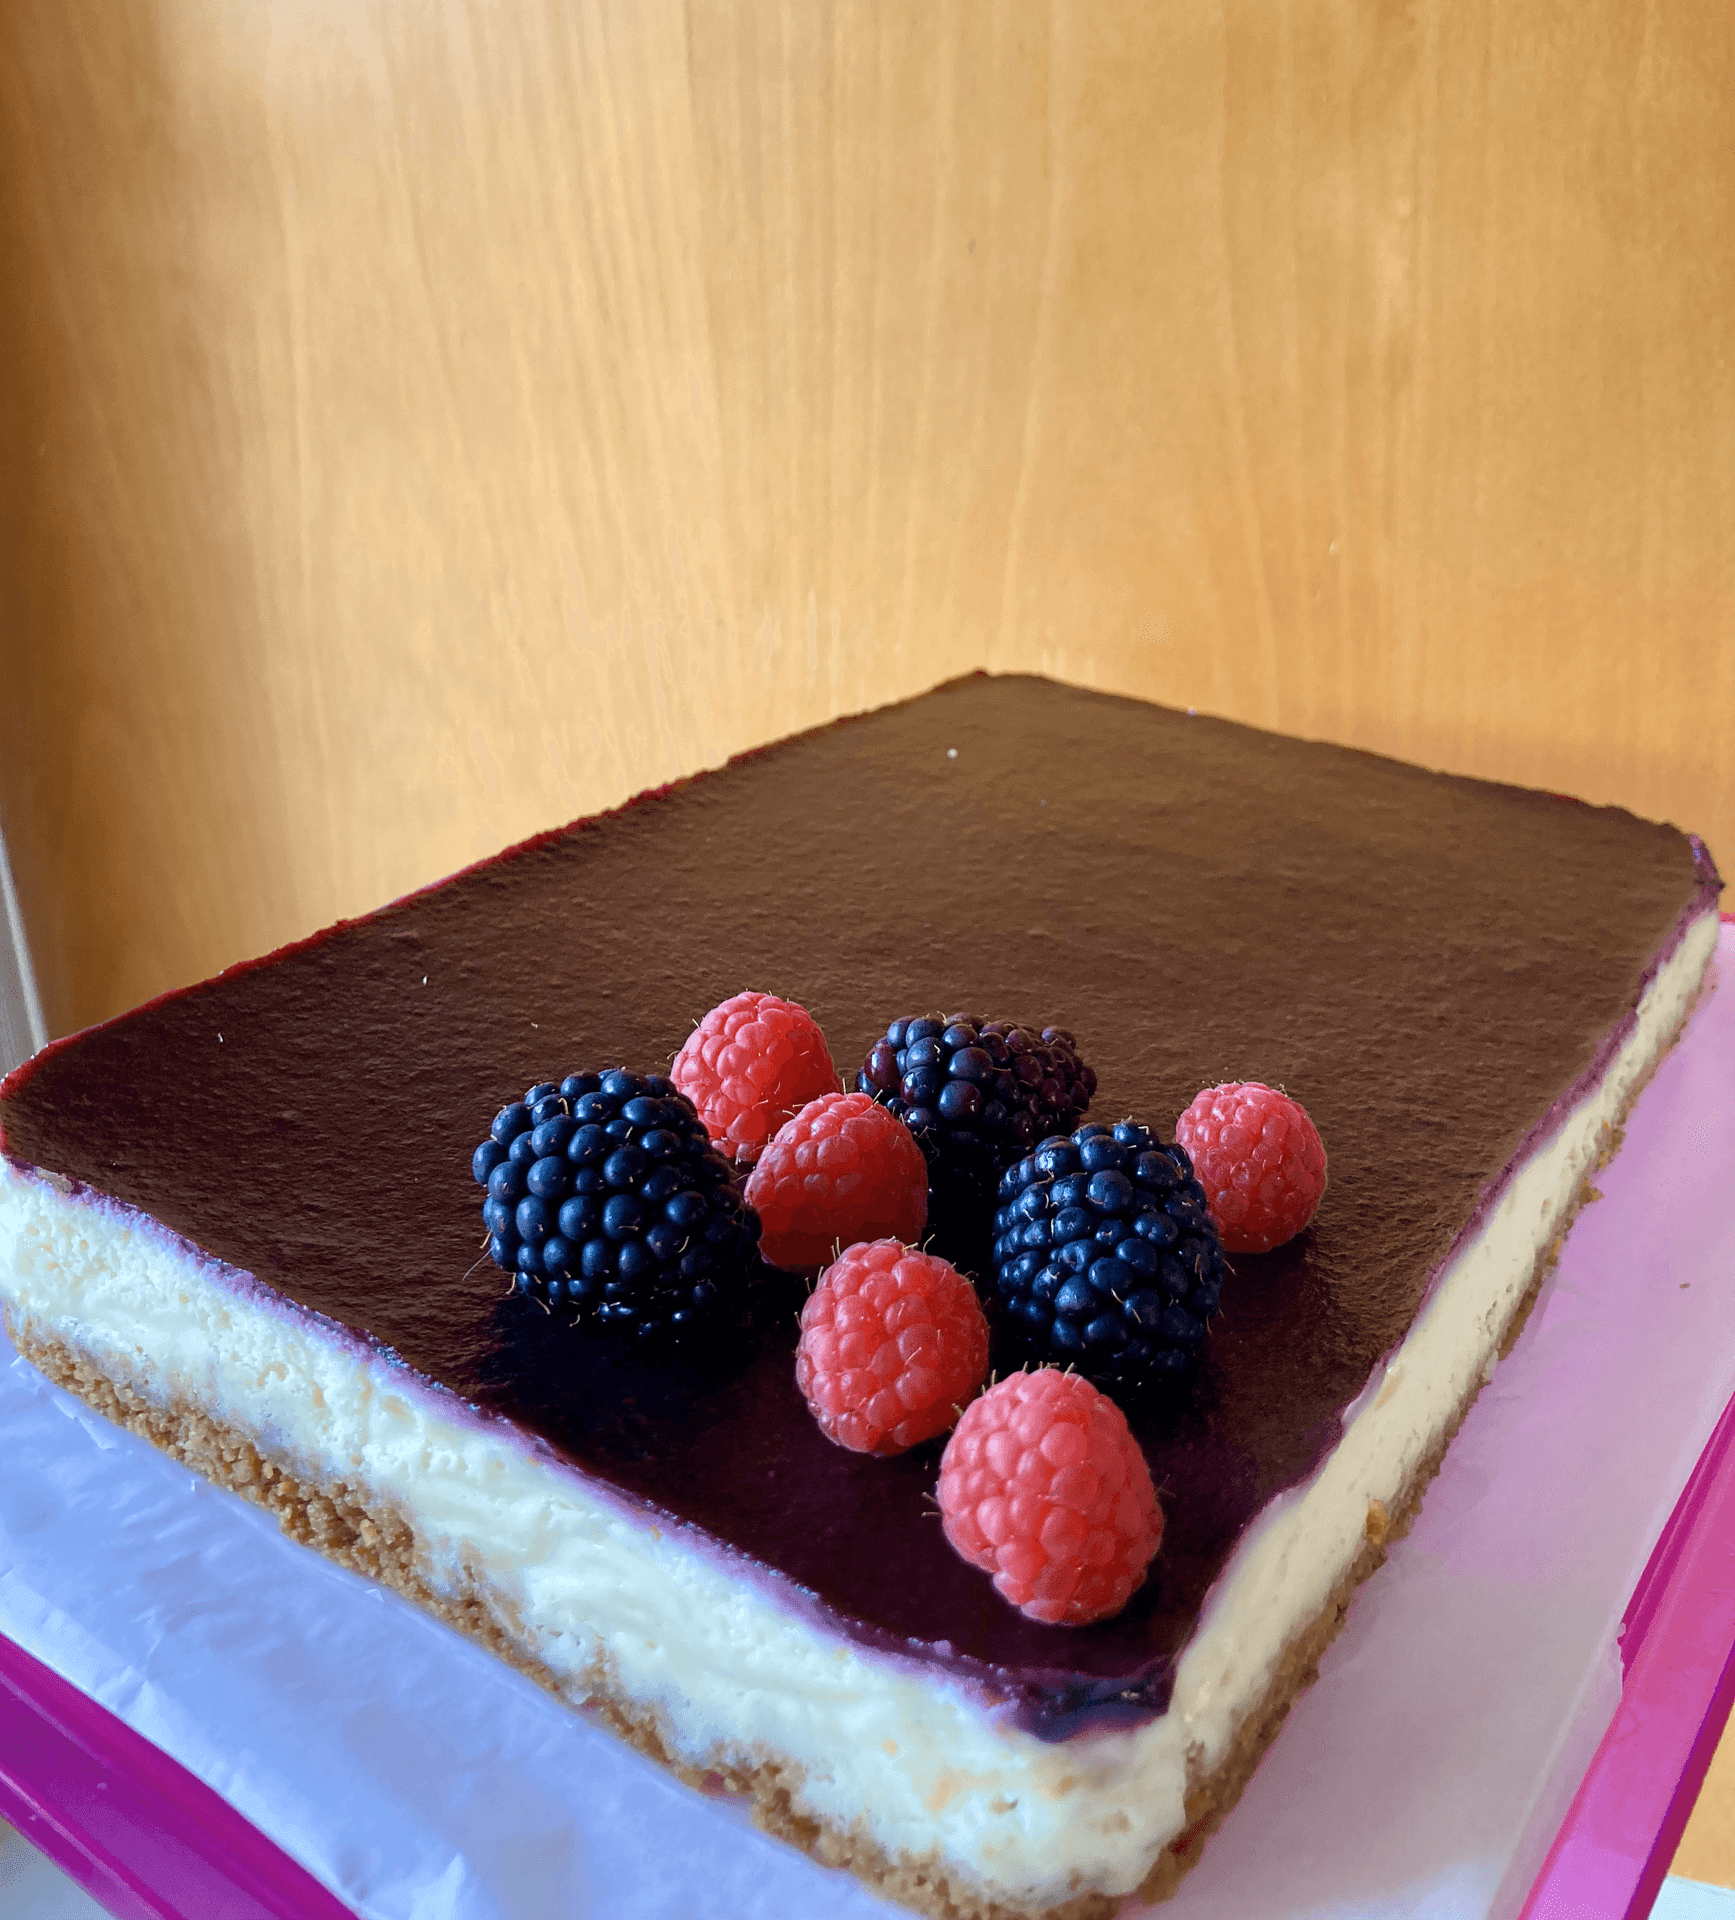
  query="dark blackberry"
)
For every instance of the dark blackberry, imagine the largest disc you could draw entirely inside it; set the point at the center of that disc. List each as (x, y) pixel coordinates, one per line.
(1105, 1256)
(604, 1195)
(978, 1095)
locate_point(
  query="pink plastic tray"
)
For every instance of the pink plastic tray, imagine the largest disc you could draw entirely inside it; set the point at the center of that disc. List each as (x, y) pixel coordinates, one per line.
(136, 1830)
(1678, 1653)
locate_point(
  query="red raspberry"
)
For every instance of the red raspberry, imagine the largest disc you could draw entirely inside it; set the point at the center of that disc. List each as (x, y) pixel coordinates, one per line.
(1044, 1486)
(843, 1170)
(893, 1343)
(1259, 1159)
(748, 1065)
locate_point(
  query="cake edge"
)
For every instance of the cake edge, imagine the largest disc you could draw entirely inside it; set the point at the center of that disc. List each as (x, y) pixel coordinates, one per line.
(1708, 881)
(1212, 1796)
(375, 1540)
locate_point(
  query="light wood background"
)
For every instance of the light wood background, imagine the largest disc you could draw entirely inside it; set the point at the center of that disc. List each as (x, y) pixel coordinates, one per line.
(425, 423)
(428, 422)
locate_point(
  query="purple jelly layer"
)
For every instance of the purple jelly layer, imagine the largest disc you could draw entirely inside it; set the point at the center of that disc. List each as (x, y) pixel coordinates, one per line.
(1438, 968)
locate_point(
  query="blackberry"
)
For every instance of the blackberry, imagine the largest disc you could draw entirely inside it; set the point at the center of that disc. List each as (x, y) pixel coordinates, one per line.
(978, 1095)
(604, 1194)
(1105, 1256)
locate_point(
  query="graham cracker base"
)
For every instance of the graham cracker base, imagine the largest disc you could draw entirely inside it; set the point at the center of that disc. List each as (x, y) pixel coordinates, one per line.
(372, 1537)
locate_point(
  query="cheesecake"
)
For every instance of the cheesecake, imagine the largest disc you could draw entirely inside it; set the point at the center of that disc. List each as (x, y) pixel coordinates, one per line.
(240, 1220)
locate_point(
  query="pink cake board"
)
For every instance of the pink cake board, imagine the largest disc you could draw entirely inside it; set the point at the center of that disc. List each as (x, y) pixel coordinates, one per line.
(183, 1691)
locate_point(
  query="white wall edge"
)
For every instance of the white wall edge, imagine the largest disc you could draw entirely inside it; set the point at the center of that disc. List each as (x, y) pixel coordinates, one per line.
(21, 954)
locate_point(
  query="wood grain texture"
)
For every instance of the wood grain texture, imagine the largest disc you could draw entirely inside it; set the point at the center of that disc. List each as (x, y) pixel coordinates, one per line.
(1707, 1849)
(421, 425)
(432, 423)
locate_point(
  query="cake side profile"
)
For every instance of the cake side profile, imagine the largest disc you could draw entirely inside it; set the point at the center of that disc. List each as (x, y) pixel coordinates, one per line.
(1467, 983)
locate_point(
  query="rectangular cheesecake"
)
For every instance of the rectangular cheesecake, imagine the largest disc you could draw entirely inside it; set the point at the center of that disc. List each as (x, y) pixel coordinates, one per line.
(240, 1220)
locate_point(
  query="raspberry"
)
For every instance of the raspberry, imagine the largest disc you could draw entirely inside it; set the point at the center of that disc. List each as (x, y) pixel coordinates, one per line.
(842, 1170)
(1260, 1160)
(750, 1064)
(893, 1343)
(1044, 1486)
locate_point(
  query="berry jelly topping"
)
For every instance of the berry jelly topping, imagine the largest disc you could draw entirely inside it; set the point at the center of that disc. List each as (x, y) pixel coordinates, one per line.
(748, 1066)
(1467, 904)
(893, 1345)
(842, 1170)
(1044, 1486)
(1260, 1160)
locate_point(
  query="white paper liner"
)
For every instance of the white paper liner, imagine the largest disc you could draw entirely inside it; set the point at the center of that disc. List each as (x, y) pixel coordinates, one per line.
(1425, 1774)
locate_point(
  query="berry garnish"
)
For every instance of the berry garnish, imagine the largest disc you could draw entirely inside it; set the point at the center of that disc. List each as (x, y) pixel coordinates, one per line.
(748, 1066)
(842, 1170)
(604, 1194)
(1106, 1258)
(977, 1094)
(1044, 1487)
(893, 1344)
(1260, 1160)
(973, 1085)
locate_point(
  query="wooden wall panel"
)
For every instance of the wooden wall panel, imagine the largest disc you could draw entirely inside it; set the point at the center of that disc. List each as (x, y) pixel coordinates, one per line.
(423, 424)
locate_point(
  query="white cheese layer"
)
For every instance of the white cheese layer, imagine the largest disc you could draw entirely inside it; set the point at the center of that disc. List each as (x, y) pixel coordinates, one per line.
(732, 1671)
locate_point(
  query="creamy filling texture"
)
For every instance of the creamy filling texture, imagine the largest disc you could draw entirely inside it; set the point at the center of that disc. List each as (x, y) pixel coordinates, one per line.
(733, 1671)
